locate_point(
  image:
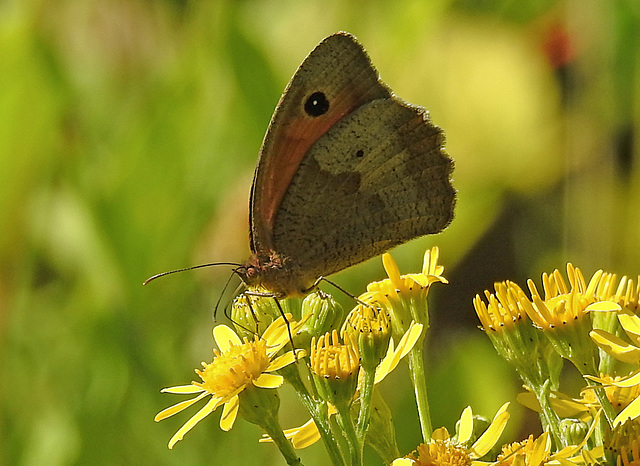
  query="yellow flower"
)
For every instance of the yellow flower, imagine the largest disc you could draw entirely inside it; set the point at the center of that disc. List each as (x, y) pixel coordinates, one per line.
(308, 433)
(507, 325)
(628, 353)
(563, 314)
(443, 450)
(405, 296)
(537, 452)
(335, 367)
(237, 366)
(562, 306)
(626, 295)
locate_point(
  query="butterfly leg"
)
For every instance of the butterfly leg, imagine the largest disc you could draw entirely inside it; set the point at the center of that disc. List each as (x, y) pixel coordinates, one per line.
(338, 287)
(282, 313)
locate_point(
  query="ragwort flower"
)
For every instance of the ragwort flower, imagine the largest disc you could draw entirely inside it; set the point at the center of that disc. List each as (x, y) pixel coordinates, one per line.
(237, 366)
(444, 450)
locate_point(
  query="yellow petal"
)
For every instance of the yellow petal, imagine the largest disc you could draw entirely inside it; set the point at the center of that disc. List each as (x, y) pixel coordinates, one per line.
(391, 267)
(540, 449)
(402, 462)
(277, 335)
(200, 415)
(632, 411)
(616, 347)
(301, 437)
(603, 306)
(440, 434)
(268, 381)
(466, 425)
(308, 434)
(562, 404)
(285, 360)
(225, 337)
(410, 338)
(631, 325)
(393, 357)
(229, 413)
(490, 436)
(183, 389)
(171, 410)
(631, 380)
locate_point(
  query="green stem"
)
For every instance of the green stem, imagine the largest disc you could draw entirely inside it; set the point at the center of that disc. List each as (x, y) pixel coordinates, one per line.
(318, 412)
(419, 380)
(548, 415)
(284, 445)
(366, 393)
(607, 409)
(346, 423)
(599, 391)
(260, 407)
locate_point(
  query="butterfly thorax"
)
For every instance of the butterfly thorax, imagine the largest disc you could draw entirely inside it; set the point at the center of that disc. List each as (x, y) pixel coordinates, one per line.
(274, 273)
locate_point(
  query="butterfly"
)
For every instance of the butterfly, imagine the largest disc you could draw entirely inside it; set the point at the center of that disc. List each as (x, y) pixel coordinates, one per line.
(346, 171)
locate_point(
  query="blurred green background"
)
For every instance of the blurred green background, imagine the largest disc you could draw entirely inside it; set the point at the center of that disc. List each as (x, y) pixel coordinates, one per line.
(129, 135)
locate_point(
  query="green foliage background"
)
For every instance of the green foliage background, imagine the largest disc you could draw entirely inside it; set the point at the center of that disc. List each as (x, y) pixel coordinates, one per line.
(129, 135)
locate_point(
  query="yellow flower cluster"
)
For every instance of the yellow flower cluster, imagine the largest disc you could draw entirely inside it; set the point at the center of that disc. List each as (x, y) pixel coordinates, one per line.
(334, 363)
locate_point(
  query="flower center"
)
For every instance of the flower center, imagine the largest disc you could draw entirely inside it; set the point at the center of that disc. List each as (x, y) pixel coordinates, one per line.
(232, 370)
(441, 453)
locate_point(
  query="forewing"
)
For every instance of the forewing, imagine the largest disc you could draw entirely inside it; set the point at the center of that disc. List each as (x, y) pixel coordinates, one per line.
(338, 70)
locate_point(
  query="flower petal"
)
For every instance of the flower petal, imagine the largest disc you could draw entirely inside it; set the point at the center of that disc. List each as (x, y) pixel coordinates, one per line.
(171, 410)
(391, 267)
(276, 334)
(229, 413)
(466, 425)
(490, 436)
(225, 337)
(616, 347)
(183, 389)
(440, 433)
(402, 462)
(410, 338)
(200, 415)
(393, 357)
(301, 437)
(268, 381)
(632, 411)
(284, 360)
(628, 381)
(540, 449)
(603, 306)
(631, 325)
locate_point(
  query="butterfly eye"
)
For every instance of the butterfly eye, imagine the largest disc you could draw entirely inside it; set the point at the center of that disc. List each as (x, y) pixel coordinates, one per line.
(360, 153)
(316, 104)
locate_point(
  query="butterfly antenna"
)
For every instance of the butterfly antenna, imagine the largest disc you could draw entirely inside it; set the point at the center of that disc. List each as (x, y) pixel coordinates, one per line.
(158, 275)
(224, 291)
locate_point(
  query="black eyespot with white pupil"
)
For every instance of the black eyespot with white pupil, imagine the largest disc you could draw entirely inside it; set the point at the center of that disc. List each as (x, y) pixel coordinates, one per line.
(316, 104)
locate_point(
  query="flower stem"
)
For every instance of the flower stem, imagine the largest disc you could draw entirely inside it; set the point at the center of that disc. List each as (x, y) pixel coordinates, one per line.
(284, 445)
(366, 393)
(346, 423)
(318, 412)
(419, 380)
(550, 419)
(260, 407)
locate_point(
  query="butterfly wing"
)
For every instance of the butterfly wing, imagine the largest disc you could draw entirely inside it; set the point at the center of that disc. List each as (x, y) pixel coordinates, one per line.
(335, 79)
(378, 178)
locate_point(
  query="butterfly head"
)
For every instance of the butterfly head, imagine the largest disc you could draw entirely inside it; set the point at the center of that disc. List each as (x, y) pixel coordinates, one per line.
(274, 273)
